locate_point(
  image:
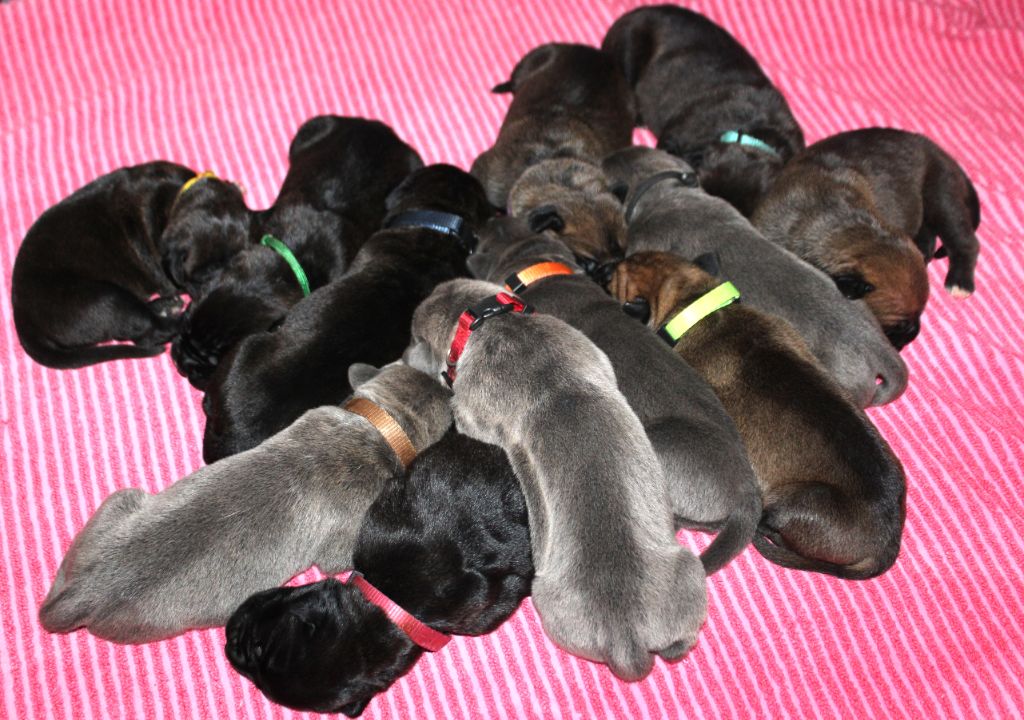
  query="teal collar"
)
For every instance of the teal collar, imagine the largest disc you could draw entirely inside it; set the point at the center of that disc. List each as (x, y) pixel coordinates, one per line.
(735, 136)
(709, 302)
(285, 252)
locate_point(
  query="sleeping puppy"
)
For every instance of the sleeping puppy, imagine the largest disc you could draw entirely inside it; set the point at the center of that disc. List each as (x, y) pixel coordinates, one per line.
(706, 99)
(708, 476)
(91, 269)
(666, 211)
(340, 173)
(834, 493)
(865, 207)
(611, 584)
(147, 567)
(449, 543)
(569, 101)
(270, 378)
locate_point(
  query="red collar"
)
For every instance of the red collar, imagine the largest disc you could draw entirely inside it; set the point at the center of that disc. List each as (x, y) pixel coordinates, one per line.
(419, 632)
(472, 318)
(524, 278)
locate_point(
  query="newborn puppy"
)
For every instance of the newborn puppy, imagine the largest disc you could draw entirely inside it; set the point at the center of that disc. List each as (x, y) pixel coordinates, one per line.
(147, 567)
(856, 204)
(708, 476)
(706, 99)
(665, 211)
(448, 543)
(569, 101)
(611, 583)
(341, 171)
(271, 378)
(834, 493)
(91, 270)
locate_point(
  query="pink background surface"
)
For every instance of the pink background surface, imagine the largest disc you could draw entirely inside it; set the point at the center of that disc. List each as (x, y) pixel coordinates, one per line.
(86, 87)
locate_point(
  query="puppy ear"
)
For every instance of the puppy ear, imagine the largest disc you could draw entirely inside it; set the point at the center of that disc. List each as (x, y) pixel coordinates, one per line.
(545, 217)
(478, 265)
(359, 373)
(620, 190)
(355, 709)
(852, 285)
(709, 263)
(505, 87)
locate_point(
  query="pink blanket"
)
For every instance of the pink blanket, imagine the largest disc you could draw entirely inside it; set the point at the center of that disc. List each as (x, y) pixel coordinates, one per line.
(86, 87)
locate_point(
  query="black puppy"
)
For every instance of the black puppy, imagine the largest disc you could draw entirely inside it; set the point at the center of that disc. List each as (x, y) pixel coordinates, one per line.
(450, 544)
(271, 378)
(706, 99)
(92, 269)
(340, 173)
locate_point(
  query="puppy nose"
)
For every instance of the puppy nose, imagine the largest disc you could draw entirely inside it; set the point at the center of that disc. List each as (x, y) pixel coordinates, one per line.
(638, 308)
(902, 333)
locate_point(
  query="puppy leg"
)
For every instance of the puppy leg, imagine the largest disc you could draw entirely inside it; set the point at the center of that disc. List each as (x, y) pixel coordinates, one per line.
(951, 209)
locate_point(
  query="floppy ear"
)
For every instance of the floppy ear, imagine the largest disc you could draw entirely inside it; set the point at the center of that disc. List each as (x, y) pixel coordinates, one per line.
(312, 131)
(419, 357)
(359, 373)
(852, 285)
(709, 263)
(504, 87)
(478, 265)
(545, 217)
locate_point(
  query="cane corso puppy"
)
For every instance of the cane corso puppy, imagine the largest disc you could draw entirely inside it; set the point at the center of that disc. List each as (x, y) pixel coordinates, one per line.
(448, 543)
(709, 478)
(611, 584)
(666, 211)
(865, 207)
(271, 378)
(833, 490)
(147, 567)
(706, 99)
(569, 101)
(95, 267)
(341, 171)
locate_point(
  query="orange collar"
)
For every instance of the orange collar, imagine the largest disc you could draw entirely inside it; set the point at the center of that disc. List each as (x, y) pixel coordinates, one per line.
(517, 282)
(388, 427)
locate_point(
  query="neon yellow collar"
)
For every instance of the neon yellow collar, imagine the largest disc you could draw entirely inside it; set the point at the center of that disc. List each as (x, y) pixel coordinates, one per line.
(709, 302)
(206, 174)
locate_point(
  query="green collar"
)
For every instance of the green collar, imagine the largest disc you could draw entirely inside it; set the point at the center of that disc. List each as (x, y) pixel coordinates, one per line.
(709, 302)
(281, 249)
(734, 136)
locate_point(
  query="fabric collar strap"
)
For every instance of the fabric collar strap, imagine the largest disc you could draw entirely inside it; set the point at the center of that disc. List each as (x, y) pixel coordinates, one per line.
(517, 282)
(419, 632)
(388, 427)
(734, 136)
(472, 318)
(709, 302)
(446, 223)
(205, 175)
(686, 177)
(284, 251)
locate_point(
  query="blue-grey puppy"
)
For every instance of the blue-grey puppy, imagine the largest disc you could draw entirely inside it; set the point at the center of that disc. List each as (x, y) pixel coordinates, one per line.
(147, 567)
(611, 583)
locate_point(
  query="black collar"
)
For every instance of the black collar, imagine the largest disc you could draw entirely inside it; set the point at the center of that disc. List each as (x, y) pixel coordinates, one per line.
(445, 223)
(686, 177)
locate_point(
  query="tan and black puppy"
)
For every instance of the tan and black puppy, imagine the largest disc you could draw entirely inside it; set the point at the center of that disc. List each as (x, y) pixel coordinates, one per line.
(569, 101)
(866, 206)
(833, 490)
(706, 99)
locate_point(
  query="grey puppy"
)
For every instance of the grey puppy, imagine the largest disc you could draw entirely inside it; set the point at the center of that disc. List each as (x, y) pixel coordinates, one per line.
(147, 567)
(710, 481)
(672, 214)
(611, 584)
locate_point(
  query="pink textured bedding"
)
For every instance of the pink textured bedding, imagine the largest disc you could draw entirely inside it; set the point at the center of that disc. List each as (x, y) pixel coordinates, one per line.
(86, 87)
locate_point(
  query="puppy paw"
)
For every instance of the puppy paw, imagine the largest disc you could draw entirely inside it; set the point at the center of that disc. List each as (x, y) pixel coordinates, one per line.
(959, 281)
(959, 293)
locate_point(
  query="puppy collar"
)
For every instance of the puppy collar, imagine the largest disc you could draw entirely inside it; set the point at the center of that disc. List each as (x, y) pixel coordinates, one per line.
(445, 223)
(205, 175)
(686, 177)
(735, 136)
(472, 318)
(387, 426)
(419, 632)
(709, 302)
(285, 252)
(517, 282)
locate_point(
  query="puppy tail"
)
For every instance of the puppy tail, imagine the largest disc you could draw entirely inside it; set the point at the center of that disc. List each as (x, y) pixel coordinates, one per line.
(737, 532)
(69, 358)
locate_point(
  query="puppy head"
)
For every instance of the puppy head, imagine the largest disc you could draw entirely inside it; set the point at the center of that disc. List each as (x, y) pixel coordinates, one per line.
(507, 242)
(653, 285)
(320, 647)
(445, 188)
(573, 199)
(418, 402)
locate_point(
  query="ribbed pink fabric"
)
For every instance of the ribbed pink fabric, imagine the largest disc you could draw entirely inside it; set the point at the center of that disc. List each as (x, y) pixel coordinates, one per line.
(86, 87)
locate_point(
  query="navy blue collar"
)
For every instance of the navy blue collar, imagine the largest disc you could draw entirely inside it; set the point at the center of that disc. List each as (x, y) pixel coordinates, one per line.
(445, 223)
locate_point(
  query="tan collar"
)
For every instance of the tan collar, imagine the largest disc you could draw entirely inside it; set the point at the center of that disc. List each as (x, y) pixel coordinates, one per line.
(388, 427)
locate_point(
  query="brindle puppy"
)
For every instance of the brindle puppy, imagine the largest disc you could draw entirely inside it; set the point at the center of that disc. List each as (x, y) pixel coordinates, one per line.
(856, 204)
(834, 492)
(706, 99)
(569, 101)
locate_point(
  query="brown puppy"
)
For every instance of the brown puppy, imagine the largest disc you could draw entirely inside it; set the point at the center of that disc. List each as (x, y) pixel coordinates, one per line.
(856, 204)
(833, 491)
(570, 101)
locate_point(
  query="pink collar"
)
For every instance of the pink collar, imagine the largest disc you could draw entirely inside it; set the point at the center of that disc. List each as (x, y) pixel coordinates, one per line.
(423, 635)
